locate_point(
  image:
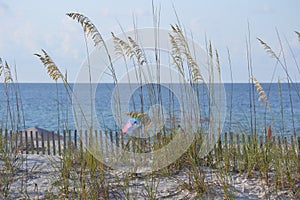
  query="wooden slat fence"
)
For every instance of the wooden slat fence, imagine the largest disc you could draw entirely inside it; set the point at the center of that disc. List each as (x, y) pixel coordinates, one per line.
(55, 143)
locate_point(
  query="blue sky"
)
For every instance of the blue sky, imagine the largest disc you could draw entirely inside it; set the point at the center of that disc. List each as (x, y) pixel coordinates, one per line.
(28, 25)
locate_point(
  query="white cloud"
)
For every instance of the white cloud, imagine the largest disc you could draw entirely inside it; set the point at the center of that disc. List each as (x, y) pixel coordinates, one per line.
(196, 24)
(139, 12)
(25, 36)
(264, 10)
(4, 9)
(106, 12)
(66, 40)
(70, 39)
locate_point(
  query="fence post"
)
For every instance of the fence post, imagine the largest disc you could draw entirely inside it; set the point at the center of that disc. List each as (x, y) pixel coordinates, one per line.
(59, 147)
(75, 138)
(48, 143)
(43, 143)
(80, 143)
(105, 141)
(31, 142)
(53, 143)
(286, 145)
(293, 144)
(65, 140)
(117, 140)
(26, 142)
(227, 154)
(122, 140)
(16, 141)
(86, 138)
(111, 142)
(11, 140)
(219, 149)
(244, 153)
(133, 142)
(238, 151)
(157, 140)
(21, 141)
(5, 140)
(255, 142)
(249, 140)
(96, 140)
(37, 142)
(1, 140)
(261, 143)
(280, 146)
(232, 150)
(70, 139)
(226, 141)
(299, 148)
(101, 141)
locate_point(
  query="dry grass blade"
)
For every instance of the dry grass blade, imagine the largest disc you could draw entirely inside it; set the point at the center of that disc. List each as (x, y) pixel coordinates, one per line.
(298, 34)
(176, 54)
(180, 47)
(261, 93)
(218, 62)
(210, 50)
(136, 115)
(180, 40)
(51, 67)
(121, 47)
(191, 61)
(142, 117)
(179, 37)
(267, 48)
(88, 27)
(7, 74)
(138, 52)
(197, 75)
(1, 67)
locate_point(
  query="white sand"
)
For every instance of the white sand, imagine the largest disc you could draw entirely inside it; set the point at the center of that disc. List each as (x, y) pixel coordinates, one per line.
(40, 173)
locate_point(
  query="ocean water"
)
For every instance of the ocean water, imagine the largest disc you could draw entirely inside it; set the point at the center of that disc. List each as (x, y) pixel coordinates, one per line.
(48, 106)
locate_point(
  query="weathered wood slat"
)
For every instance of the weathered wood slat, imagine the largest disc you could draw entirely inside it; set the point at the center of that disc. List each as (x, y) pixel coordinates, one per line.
(26, 142)
(59, 147)
(21, 142)
(53, 143)
(101, 141)
(31, 142)
(233, 150)
(75, 138)
(37, 142)
(65, 140)
(11, 139)
(43, 143)
(48, 144)
(70, 139)
(16, 141)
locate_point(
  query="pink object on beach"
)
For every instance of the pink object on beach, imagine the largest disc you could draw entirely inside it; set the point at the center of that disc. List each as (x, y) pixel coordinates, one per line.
(128, 125)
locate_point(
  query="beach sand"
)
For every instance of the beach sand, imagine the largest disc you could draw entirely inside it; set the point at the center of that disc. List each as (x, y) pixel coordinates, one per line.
(38, 173)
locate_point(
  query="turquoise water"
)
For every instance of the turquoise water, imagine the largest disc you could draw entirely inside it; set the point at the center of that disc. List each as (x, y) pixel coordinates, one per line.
(38, 106)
